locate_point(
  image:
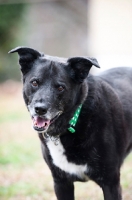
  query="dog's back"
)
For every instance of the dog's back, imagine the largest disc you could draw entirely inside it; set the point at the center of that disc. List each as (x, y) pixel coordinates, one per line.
(120, 80)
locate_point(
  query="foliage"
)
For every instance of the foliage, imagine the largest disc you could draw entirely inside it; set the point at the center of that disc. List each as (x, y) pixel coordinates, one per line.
(10, 18)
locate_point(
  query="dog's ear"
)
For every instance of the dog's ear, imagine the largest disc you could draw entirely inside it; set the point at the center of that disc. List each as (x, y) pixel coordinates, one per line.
(26, 57)
(79, 67)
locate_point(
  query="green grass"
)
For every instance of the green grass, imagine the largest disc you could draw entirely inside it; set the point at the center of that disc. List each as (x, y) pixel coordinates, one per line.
(18, 153)
(20, 188)
(12, 116)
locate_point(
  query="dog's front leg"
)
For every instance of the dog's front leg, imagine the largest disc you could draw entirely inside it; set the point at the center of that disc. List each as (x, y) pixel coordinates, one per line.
(112, 192)
(64, 190)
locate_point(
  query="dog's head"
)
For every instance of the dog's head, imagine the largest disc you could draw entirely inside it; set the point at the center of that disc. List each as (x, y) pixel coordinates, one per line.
(52, 86)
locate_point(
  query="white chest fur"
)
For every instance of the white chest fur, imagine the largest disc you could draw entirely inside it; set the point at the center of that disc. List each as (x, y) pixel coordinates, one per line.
(60, 160)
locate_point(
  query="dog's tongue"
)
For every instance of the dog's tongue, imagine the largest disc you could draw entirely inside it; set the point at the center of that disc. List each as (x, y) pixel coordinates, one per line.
(40, 122)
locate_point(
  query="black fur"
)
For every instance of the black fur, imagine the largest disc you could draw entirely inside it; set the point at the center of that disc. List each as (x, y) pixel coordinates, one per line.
(103, 136)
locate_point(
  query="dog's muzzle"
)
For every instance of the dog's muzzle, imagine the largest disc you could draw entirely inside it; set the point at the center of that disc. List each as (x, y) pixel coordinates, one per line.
(41, 124)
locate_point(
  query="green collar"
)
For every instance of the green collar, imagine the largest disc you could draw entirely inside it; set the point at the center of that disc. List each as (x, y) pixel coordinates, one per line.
(74, 119)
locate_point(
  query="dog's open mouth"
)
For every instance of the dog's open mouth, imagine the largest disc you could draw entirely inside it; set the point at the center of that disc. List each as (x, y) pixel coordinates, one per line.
(41, 124)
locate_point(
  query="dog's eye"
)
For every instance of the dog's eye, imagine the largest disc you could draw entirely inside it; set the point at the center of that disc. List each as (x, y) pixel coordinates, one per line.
(61, 88)
(35, 83)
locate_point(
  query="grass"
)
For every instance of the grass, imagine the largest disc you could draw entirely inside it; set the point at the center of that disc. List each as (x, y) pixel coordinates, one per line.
(23, 173)
(18, 153)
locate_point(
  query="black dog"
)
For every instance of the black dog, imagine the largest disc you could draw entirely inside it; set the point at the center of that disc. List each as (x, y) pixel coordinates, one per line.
(84, 122)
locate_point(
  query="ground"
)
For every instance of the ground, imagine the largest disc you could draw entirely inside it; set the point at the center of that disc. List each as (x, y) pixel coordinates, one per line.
(23, 173)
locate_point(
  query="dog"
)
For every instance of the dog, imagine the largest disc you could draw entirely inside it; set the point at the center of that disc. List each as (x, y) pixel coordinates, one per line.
(84, 122)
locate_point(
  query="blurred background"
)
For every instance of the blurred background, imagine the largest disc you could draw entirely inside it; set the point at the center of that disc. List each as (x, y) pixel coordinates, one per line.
(97, 28)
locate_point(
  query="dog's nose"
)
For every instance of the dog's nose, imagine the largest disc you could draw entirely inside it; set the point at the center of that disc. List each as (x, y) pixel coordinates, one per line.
(41, 110)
